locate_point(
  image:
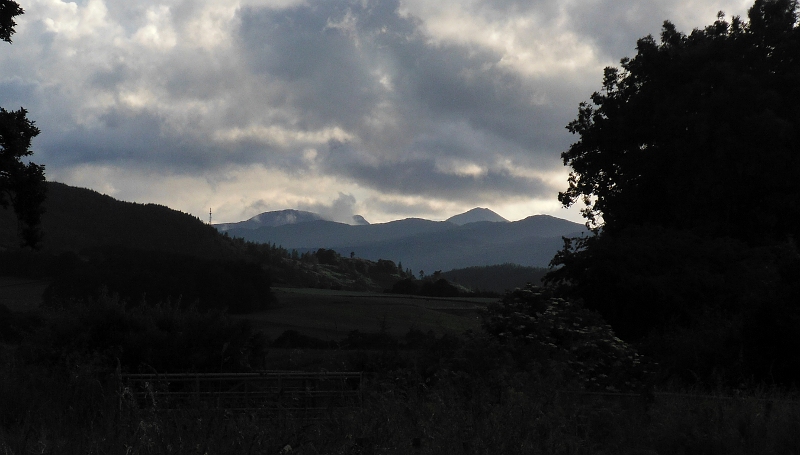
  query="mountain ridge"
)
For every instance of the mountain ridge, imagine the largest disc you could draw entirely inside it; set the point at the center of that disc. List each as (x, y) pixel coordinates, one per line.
(272, 219)
(275, 218)
(428, 245)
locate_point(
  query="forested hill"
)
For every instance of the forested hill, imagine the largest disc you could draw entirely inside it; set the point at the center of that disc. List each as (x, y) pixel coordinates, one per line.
(77, 218)
(93, 241)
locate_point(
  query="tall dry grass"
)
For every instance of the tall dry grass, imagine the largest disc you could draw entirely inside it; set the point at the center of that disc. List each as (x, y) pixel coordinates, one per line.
(82, 413)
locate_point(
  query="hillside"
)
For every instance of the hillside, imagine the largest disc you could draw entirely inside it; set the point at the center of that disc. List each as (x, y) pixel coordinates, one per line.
(77, 218)
(93, 241)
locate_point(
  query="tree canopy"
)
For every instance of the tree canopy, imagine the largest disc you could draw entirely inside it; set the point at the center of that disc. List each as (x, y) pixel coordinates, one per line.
(8, 11)
(22, 184)
(699, 131)
(686, 165)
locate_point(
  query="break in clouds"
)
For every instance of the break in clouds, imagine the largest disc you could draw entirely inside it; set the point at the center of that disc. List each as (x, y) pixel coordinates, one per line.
(377, 107)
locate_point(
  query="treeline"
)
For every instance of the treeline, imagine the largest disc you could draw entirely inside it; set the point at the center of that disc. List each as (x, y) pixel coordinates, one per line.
(496, 278)
(133, 275)
(479, 281)
(324, 268)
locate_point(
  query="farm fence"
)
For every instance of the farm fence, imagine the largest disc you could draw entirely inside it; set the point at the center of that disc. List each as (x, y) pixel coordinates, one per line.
(285, 393)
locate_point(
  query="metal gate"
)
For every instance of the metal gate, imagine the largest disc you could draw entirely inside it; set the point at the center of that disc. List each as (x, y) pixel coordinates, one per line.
(285, 392)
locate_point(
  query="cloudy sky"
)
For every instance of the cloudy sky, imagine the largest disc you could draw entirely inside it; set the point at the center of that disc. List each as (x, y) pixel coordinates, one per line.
(385, 108)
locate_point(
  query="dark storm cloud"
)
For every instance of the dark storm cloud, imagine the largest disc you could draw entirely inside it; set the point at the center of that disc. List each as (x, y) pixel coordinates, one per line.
(421, 177)
(404, 209)
(119, 137)
(323, 73)
(331, 58)
(16, 92)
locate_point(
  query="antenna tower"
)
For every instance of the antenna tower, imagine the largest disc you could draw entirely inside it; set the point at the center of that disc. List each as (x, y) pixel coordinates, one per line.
(209, 215)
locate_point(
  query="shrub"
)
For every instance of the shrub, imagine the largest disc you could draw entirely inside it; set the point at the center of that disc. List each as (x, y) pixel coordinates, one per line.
(559, 334)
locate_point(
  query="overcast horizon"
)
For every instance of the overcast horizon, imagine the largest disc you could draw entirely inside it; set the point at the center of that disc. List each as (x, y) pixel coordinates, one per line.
(386, 109)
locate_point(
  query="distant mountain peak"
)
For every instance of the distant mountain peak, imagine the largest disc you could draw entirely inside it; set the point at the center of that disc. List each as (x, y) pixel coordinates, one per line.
(272, 219)
(359, 220)
(476, 215)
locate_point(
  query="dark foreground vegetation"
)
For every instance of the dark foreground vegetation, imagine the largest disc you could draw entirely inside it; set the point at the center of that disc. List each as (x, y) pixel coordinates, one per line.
(544, 376)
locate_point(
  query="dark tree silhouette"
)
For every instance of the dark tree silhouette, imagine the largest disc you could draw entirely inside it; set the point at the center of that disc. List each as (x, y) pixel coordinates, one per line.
(686, 165)
(8, 11)
(22, 185)
(699, 131)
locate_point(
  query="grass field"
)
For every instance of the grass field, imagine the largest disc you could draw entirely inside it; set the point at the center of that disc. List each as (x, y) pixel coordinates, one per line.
(320, 313)
(331, 315)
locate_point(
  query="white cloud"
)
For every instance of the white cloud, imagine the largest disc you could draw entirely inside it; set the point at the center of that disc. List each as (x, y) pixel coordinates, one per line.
(158, 32)
(280, 136)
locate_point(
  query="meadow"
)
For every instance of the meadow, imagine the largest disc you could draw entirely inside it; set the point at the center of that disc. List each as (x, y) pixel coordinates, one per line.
(331, 315)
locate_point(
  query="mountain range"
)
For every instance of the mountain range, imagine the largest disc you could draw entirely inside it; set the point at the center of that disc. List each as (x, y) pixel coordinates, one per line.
(475, 238)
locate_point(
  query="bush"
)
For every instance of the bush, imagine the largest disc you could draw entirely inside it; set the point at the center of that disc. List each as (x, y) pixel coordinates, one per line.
(408, 286)
(558, 334)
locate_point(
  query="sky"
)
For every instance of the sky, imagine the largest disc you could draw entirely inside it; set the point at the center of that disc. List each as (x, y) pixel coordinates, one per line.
(385, 108)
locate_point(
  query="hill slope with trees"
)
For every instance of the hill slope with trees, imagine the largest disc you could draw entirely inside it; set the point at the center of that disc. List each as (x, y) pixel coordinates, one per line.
(92, 242)
(77, 218)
